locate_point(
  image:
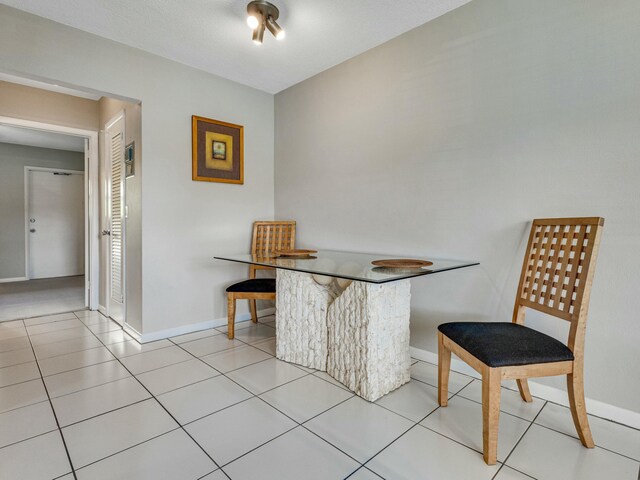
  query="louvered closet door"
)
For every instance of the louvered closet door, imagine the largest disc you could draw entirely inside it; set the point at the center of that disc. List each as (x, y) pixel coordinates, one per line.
(115, 149)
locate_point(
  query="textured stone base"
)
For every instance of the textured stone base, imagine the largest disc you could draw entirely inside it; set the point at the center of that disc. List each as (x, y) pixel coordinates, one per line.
(360, 336)
(368, 328)
(301, 310)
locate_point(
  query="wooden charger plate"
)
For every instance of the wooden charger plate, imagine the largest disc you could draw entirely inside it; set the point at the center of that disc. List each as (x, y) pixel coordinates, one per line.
(295, 253)
(402, 263)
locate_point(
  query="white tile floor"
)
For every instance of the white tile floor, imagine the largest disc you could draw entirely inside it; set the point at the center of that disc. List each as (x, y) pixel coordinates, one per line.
(80, 399)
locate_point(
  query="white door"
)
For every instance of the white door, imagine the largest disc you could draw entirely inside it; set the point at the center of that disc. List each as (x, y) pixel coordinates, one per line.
(56, 223)
(115, 232)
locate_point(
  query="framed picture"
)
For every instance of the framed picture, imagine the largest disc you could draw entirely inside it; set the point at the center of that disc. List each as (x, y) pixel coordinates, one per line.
(129, 159)
(217, 151)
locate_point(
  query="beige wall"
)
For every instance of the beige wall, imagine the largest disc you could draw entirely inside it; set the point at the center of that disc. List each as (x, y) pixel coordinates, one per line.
(109, 108)
(185, 223)
(13, 159)
(28, 103)
(447, 140)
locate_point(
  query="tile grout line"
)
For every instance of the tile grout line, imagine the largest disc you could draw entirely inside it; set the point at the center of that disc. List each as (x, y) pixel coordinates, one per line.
(514, 389)
(303, 424)
(229, 406)
(131, 375)
(173, 343)
(55, 416)
(407, 418)
(362, 467)
(108, 411)
(21, 363)
(128, 448)
(416, 424)
(261, 445)
(164, 408)
(518, 443)
(32, 437)
(597, 446)
(217, 470)
(594, 416)
(295, 421)
(298, 424)
(501, 411)
(235, 382)
(88, 388)
(82, 324)
(20, 383)
(48, 315)
(419, 424)
(504, 465)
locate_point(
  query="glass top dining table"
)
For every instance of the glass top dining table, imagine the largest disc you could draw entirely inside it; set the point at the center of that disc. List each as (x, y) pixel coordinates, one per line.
(349, 265)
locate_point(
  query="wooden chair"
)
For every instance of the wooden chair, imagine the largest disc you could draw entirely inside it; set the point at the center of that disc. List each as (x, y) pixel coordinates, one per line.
(556, 279)
(267, 237)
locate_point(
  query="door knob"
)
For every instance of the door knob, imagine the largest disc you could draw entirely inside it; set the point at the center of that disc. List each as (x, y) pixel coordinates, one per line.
(106, 232)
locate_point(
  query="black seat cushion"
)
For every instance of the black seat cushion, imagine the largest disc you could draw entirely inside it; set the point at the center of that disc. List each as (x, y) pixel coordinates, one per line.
(506, 344)
(255, 285)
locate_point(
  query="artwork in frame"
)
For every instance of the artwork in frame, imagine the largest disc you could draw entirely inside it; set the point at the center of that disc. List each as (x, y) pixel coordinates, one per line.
(217, 151)
(129, 159)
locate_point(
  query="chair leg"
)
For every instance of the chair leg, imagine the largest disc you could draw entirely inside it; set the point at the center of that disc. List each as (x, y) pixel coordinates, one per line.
(444, 366)
(523, 386)
(252, 308)
(490, 414)
(575, 388)
(231, 316)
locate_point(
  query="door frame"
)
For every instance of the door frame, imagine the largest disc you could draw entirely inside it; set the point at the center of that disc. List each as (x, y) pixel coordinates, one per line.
(106, 309)
(91, 200)
(27, 223)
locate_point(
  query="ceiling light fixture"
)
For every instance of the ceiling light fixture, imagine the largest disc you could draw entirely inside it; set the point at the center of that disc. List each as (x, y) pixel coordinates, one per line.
(263, 15)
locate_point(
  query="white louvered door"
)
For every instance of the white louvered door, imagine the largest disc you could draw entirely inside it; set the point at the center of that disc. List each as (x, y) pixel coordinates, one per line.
(115, 154)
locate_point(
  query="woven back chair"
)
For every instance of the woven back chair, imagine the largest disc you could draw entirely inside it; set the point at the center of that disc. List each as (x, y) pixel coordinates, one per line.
(267, 238)
(556, 279)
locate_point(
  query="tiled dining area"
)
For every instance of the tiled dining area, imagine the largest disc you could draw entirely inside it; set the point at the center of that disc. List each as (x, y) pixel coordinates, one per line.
(79, 398)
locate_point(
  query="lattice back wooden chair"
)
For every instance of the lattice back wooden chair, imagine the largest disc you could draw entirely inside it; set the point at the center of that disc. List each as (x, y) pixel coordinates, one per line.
(267, 238)
(556, 279)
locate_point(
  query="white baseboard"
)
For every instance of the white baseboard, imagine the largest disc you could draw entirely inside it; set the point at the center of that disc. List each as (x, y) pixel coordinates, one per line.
(132, 331)
(102, 310)
(545, 392)
(219, 322)
(15, 279)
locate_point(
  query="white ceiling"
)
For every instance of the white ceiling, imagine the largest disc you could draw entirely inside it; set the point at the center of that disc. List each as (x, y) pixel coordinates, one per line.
(213, 35)
(38, 138)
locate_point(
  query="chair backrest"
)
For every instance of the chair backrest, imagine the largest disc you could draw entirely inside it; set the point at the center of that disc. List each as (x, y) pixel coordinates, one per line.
(558, 269)
(269, 236)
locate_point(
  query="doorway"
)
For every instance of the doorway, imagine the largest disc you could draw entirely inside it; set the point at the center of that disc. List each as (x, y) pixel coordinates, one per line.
(55, 206)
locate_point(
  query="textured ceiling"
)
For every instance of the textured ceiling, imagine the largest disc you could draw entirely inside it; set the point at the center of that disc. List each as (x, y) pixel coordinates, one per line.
(212, 35)
(39, 138)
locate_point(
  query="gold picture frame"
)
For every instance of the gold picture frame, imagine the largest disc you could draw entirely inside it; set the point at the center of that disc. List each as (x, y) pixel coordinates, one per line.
(217, 151)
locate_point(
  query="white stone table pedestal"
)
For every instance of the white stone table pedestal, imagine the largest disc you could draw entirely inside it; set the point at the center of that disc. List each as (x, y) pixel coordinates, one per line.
(358, 332)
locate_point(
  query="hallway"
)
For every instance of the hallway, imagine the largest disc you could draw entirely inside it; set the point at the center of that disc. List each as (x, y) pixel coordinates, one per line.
(44, 296)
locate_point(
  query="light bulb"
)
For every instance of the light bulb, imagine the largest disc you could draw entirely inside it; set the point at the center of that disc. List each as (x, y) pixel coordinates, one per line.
(275, 29)
(253, 22)
(258, 34)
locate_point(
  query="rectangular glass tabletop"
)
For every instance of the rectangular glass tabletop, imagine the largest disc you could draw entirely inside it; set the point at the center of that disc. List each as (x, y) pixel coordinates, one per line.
(349, 265)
